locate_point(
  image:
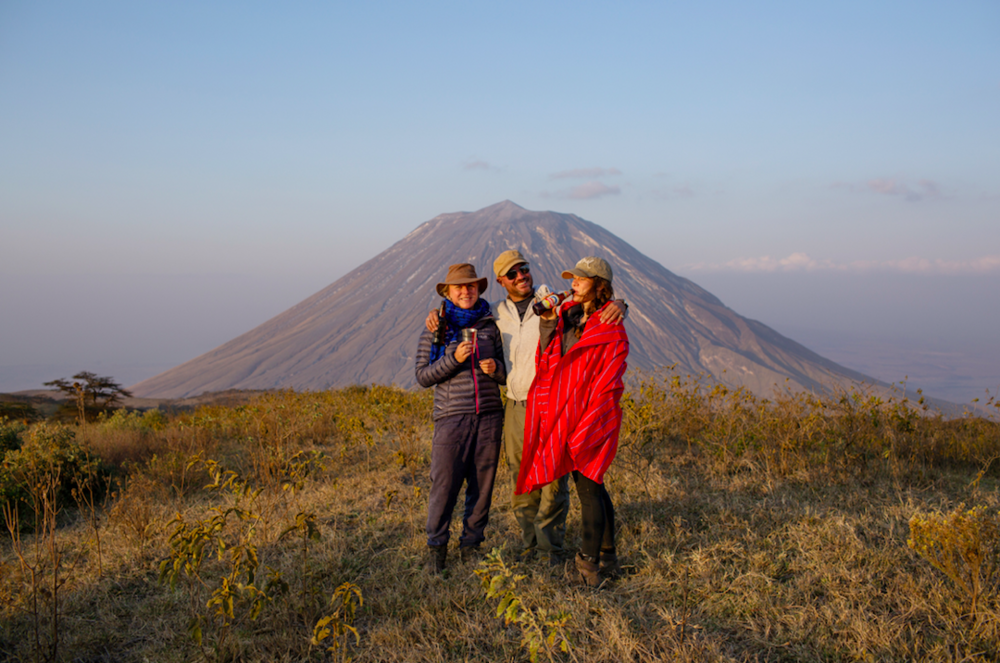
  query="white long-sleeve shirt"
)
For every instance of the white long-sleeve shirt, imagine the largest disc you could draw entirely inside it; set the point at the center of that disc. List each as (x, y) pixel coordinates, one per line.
(520, 343)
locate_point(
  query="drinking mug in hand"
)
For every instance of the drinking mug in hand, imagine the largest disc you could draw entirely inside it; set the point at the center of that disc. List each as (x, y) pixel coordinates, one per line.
(469, 334)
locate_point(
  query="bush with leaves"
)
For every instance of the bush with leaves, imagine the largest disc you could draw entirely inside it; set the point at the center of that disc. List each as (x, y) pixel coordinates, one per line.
(147, 422)
(10, 434)
(237, 593)
(542, 630)
(334, 627)
(48, 450)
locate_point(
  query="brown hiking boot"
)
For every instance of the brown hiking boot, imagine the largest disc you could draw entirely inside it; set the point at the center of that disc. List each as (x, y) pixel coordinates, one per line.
(439, 558)
(588, 569)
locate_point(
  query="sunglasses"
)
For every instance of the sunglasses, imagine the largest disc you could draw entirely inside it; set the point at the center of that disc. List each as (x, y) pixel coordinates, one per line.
(512, 274)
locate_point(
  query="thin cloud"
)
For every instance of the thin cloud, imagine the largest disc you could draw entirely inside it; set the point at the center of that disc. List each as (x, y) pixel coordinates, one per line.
(913, 191)
(585, 173)
(588, 191)
(478, 164)
(592, 190)
(801, 262)
(671, 192)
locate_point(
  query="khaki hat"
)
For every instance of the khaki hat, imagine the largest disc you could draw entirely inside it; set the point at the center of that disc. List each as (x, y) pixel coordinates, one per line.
(459, 274)
(506, 260)
(588, 268)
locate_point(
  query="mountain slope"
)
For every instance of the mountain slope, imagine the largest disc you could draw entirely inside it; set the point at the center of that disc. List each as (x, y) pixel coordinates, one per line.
(363, 328)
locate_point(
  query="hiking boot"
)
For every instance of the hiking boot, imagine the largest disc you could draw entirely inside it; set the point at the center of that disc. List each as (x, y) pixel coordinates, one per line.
(555, 558)
(588, 569)
(610, 568)
(469, 553)
(439, 557)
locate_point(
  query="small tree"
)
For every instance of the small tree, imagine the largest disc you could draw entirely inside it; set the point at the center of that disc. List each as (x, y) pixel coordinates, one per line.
(90, 390)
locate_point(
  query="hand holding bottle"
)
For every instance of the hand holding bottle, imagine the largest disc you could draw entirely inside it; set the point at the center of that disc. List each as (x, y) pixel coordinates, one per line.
(549, 302)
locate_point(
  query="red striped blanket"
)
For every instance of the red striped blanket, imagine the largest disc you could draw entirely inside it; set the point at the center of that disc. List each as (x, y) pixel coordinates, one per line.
(573, 415)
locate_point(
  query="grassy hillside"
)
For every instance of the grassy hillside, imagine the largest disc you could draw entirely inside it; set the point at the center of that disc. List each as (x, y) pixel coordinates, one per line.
(290, 528)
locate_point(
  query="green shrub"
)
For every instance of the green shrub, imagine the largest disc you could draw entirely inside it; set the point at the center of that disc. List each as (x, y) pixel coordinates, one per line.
(133, 420)
(10, 434)
(48, 457)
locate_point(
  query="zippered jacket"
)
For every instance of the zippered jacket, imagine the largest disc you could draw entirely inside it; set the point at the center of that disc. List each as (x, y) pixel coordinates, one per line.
(520, 345)
(455, 389)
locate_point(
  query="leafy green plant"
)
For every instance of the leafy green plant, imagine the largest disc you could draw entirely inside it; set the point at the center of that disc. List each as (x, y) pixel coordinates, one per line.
(236, 593)
(305, 527)
(122, 419)
(10, 435)
(49, 452)
(34, 481)
(542, 631)
(346, 601)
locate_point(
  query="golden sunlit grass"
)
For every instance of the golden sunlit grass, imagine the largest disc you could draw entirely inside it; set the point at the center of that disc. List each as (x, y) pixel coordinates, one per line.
(291, 528)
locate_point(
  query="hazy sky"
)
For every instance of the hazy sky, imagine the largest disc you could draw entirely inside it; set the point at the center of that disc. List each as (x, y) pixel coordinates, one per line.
(172, 174)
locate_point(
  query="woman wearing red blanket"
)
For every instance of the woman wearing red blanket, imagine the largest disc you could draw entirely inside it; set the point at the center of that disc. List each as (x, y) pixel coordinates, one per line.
(573, 415)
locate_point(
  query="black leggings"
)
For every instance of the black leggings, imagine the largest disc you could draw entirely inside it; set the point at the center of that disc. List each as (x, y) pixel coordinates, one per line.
(598, 515)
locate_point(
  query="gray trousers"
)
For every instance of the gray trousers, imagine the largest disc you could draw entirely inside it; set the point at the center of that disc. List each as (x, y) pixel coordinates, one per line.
(541, 513)
(465, 449)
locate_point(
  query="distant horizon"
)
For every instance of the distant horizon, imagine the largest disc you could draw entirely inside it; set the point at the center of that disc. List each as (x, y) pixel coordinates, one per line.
(894, 349)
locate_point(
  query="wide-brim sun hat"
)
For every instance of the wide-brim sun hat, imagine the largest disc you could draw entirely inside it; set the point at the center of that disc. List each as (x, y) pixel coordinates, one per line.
(460, 274)
(588, 268)
(506, 260)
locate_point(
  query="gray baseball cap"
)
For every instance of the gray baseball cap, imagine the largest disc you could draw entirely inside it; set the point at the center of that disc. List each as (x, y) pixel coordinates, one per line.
(588, 268)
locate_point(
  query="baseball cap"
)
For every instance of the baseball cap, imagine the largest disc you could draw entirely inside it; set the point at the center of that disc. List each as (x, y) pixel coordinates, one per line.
(588, 268)
(506, 260)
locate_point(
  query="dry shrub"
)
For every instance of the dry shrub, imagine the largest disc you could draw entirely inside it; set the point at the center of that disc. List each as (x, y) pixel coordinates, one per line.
(125, 437)
(118, 447)
(965, 546)
(134, 509)
(794, 434)
(260, 435)
(7, 583)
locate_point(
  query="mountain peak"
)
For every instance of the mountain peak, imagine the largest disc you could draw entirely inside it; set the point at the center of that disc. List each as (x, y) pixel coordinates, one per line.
(503, 205)
(363, 328)
(501, 212)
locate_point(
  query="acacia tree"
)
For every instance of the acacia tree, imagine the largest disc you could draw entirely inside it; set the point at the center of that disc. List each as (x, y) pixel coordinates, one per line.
(90, 390)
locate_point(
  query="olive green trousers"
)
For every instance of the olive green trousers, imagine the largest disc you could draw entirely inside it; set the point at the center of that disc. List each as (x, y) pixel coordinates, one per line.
(541, 514)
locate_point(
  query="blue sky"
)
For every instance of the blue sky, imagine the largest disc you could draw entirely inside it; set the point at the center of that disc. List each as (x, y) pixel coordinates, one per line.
(176, 173)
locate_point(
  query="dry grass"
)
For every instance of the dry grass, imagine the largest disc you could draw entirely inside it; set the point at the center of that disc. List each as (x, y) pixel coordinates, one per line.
(750, 530)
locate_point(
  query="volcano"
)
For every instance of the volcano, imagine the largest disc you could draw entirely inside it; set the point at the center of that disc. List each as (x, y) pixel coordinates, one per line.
(363, 328)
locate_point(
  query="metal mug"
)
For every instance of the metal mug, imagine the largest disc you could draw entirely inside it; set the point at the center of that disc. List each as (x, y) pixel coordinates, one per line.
(469, 334)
